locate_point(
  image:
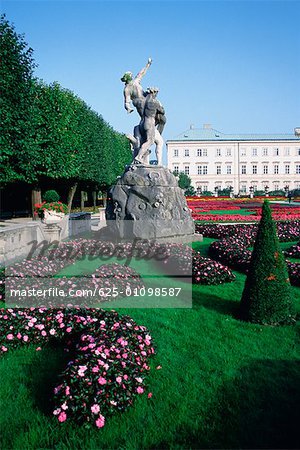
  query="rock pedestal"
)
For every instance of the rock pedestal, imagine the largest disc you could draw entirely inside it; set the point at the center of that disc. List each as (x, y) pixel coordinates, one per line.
(146, 202)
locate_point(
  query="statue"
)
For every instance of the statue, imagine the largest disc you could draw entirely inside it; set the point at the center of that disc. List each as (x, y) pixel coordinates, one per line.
(145, 201)
(152, 115)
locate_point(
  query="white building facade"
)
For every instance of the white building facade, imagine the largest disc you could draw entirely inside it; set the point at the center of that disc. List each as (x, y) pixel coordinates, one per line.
(215, 160)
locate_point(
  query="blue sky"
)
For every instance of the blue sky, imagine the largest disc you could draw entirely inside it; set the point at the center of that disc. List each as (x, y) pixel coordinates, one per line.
(234, 64)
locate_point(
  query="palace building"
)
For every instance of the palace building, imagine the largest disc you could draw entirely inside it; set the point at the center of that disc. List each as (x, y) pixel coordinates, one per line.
(215, 160)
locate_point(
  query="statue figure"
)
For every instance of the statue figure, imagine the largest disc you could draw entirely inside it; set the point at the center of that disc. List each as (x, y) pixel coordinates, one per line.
(149, 132)
(134, 93)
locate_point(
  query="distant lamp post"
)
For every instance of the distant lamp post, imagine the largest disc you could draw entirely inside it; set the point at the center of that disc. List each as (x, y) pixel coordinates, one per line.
(216, 191)
(251, 190)
(231, 191)
(267, 191)
(286, 189)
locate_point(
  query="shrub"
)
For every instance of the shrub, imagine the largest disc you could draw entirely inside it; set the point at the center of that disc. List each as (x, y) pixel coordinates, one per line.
(267, 296)
(51, 196)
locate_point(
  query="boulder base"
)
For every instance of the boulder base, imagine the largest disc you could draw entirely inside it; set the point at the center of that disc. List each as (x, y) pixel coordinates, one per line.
(146, 202)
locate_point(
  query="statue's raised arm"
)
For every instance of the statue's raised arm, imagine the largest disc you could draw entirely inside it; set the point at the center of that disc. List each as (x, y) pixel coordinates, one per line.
(144, 70)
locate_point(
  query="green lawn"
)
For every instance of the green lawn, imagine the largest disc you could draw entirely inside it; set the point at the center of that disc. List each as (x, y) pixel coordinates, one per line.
(223, 384)
(234, 212)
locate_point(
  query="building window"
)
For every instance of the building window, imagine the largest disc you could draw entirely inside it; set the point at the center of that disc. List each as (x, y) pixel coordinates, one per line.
(287, 169)
(276, 169)
(276, 187)
(187, 170)
(265, 151)
(218, 170)
(298, 152)
(228, 152)
(186, 152)
(202, 170)
(176, 169)
(243, 188)
(287, 151)
(202, 152)
(254, 170)
(298, 169)
(254, 152)
(218, 152)
(175, 152)
(244, 171)
(243, 151)
(276, 151)
(265, 169)
(228, 170)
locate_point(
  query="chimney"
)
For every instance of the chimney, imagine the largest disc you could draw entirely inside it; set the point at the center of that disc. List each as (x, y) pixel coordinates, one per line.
(297, 131)
(207, 126)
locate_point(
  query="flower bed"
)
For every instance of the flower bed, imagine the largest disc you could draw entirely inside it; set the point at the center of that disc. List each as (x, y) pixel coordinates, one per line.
(184, 260)
(294, 251)
(109, 361)
(234, 240)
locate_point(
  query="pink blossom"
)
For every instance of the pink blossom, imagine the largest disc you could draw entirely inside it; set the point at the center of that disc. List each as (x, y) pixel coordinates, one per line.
(67, 390)
(95, 409)
(150, 395)
(140, 390)
(52, 331)
(25, 338)
(95, 369)
(64, 406)
(56, 411)
(3, 348)
(9, 337)
(69, 329)
(102, 381)
(62, 417)
(139, 380)
(158, 367)
(38, 349)
(119, 380)
(100, 422)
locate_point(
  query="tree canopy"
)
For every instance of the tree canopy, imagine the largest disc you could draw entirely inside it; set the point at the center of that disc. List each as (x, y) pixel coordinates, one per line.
(46, 130)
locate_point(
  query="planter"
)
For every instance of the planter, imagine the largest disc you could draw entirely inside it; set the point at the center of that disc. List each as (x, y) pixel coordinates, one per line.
(51, 217)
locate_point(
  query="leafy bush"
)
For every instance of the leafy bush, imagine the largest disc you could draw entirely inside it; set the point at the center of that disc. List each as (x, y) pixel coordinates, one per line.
(267, 296)
(51, 196)
(108, 366)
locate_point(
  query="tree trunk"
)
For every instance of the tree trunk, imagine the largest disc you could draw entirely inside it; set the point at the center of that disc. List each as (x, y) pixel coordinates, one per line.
(82, 200)
(94, 194)
(36, 197)
(71, 194)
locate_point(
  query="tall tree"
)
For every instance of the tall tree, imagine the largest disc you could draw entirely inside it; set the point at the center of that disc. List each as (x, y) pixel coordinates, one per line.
(16, 71)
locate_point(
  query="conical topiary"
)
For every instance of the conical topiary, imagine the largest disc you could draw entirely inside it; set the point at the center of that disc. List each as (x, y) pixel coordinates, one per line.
(267, 297)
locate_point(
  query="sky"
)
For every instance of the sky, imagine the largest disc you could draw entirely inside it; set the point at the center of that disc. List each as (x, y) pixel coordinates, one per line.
(233, 64)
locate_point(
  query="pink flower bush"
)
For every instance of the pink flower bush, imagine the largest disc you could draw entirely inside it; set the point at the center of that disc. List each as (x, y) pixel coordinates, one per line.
(98, 378)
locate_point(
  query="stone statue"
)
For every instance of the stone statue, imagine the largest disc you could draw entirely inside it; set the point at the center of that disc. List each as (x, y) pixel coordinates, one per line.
(146, 201)
(149, 133)
(150, 111)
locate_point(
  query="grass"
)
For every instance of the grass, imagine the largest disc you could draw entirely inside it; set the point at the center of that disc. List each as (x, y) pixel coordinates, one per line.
(223, 384)
(233, 212)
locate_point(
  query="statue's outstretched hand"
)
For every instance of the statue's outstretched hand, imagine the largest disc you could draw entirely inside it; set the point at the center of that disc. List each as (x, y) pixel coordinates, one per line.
(149, 60)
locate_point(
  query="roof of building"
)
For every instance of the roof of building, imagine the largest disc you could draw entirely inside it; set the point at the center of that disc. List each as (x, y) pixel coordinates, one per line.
(210, 134)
